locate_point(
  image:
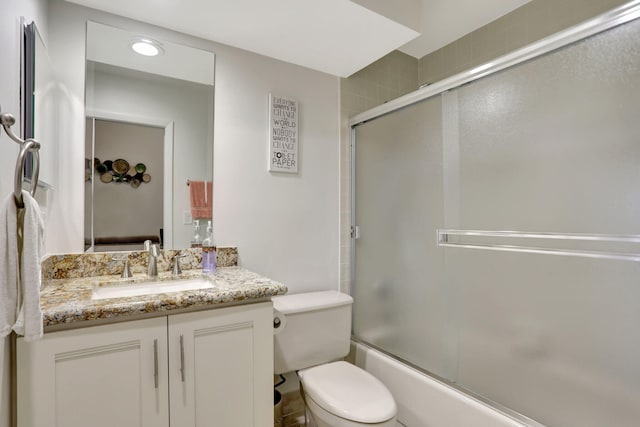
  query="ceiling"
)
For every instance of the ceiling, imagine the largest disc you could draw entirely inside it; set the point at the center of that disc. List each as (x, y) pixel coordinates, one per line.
(338, 37)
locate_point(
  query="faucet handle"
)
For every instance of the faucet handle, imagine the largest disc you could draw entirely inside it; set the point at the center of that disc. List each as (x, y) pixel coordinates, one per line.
(126, 271)
(151, 248)
(176, 271)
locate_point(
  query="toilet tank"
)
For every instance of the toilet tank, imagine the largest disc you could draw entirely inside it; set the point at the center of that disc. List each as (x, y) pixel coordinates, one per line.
(314, 328)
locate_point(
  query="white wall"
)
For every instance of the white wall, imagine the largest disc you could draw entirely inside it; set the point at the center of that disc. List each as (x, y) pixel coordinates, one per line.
(12, 10)
(65, 226)
(285, 226)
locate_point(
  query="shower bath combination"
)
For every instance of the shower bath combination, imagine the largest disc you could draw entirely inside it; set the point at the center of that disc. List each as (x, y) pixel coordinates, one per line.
(507, 236)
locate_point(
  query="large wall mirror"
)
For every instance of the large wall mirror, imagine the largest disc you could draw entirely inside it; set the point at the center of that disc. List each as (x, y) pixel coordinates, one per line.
(149, 140)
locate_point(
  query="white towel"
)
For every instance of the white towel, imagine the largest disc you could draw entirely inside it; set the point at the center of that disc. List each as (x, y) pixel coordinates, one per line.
(30, 245)
(21, 245)
(9, 285)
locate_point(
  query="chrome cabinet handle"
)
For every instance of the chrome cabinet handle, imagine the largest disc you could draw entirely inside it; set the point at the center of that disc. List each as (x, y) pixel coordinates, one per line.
(155, 363)
(182, 357)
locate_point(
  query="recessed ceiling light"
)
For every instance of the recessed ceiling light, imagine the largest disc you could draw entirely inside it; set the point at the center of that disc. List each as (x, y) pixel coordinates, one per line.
(146, 47)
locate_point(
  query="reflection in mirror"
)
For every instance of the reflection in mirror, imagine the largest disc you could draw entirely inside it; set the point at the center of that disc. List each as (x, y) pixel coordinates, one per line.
(127, 158)
(29, 35)
(38, 110)
(149, 132)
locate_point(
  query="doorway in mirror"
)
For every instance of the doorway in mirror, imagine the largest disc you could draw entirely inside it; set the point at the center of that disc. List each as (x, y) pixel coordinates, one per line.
(124, 184)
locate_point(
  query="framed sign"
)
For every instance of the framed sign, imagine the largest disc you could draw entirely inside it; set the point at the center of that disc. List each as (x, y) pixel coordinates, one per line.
(283, 134)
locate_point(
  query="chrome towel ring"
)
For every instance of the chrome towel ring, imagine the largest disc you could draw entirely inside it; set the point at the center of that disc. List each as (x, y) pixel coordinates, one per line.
(29, 145)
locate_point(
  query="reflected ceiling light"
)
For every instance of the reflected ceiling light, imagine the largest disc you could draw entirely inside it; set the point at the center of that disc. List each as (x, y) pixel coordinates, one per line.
(146, 47)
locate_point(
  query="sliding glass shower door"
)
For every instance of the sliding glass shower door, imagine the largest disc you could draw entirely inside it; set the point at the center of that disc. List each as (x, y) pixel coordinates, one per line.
(398, 269)
(499, 234)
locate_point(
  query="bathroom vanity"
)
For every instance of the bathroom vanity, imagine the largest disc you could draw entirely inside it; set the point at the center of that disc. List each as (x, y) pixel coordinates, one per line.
(189, 358)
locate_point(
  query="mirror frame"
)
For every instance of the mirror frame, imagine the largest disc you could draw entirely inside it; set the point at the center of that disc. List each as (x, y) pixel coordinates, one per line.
(28, 76)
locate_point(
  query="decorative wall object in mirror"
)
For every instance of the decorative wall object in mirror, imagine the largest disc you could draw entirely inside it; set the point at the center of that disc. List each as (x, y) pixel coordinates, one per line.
(120, 171)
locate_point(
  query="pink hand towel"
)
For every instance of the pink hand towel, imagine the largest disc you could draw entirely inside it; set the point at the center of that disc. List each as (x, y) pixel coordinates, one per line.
(201, 200)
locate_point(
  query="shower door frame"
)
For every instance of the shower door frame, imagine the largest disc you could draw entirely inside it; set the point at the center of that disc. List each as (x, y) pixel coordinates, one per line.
(606, 21)
(618, 16)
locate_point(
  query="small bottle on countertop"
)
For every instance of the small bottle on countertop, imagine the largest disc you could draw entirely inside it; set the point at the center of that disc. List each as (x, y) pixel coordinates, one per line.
(209, 260)
(196, 242)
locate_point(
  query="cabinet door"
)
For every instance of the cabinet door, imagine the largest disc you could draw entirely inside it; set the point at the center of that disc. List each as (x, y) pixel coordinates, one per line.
(221, 367)
(101, 376)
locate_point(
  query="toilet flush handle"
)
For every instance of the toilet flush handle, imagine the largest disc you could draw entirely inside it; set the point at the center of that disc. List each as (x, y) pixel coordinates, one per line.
(279, 322)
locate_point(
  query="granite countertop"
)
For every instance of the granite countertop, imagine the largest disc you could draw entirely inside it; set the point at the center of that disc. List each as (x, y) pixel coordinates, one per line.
(68, 303)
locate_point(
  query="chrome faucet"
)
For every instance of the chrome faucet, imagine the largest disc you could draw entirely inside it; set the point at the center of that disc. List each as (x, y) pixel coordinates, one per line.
(126, 271)
(176, 271)
(152, 263)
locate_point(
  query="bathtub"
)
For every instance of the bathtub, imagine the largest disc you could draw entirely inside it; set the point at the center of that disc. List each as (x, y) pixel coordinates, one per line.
(424, 401)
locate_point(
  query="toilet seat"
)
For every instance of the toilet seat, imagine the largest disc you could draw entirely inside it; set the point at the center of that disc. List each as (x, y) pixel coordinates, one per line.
(348, 392)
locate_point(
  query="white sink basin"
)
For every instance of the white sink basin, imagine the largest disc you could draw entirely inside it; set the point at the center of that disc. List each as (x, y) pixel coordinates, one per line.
(122, 290)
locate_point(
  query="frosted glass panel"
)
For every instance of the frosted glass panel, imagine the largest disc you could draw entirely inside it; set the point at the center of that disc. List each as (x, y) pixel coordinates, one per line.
(552, 145)
(398, 266)
(551, 337)
(549, 146)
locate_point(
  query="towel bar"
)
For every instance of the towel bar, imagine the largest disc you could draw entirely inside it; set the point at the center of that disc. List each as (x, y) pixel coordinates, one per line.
(444, 239)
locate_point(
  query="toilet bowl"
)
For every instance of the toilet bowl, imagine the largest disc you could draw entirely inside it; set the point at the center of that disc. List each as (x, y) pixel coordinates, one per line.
(340, 394)
(323, 418)
(312, 331)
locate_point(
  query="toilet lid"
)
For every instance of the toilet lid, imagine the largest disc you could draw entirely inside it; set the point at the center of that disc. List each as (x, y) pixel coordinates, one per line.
(348, 392)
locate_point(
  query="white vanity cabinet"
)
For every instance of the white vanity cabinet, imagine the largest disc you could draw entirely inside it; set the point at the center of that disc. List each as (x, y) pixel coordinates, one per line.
(101, 376)
(221, 367)
(207, 368)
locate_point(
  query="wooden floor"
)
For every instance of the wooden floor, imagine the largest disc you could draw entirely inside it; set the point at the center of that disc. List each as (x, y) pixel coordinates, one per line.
(292, 411)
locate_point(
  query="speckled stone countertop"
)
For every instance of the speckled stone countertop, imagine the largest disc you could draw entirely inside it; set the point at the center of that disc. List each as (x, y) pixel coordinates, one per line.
(67, 302)
(72, 266)
(68, 282)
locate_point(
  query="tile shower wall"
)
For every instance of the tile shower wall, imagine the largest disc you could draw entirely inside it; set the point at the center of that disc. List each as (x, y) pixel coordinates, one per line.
(527, 24)
(397, 74)
(389, 77)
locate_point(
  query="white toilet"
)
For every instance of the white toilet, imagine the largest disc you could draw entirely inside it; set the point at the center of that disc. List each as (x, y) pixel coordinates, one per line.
(312, 329)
